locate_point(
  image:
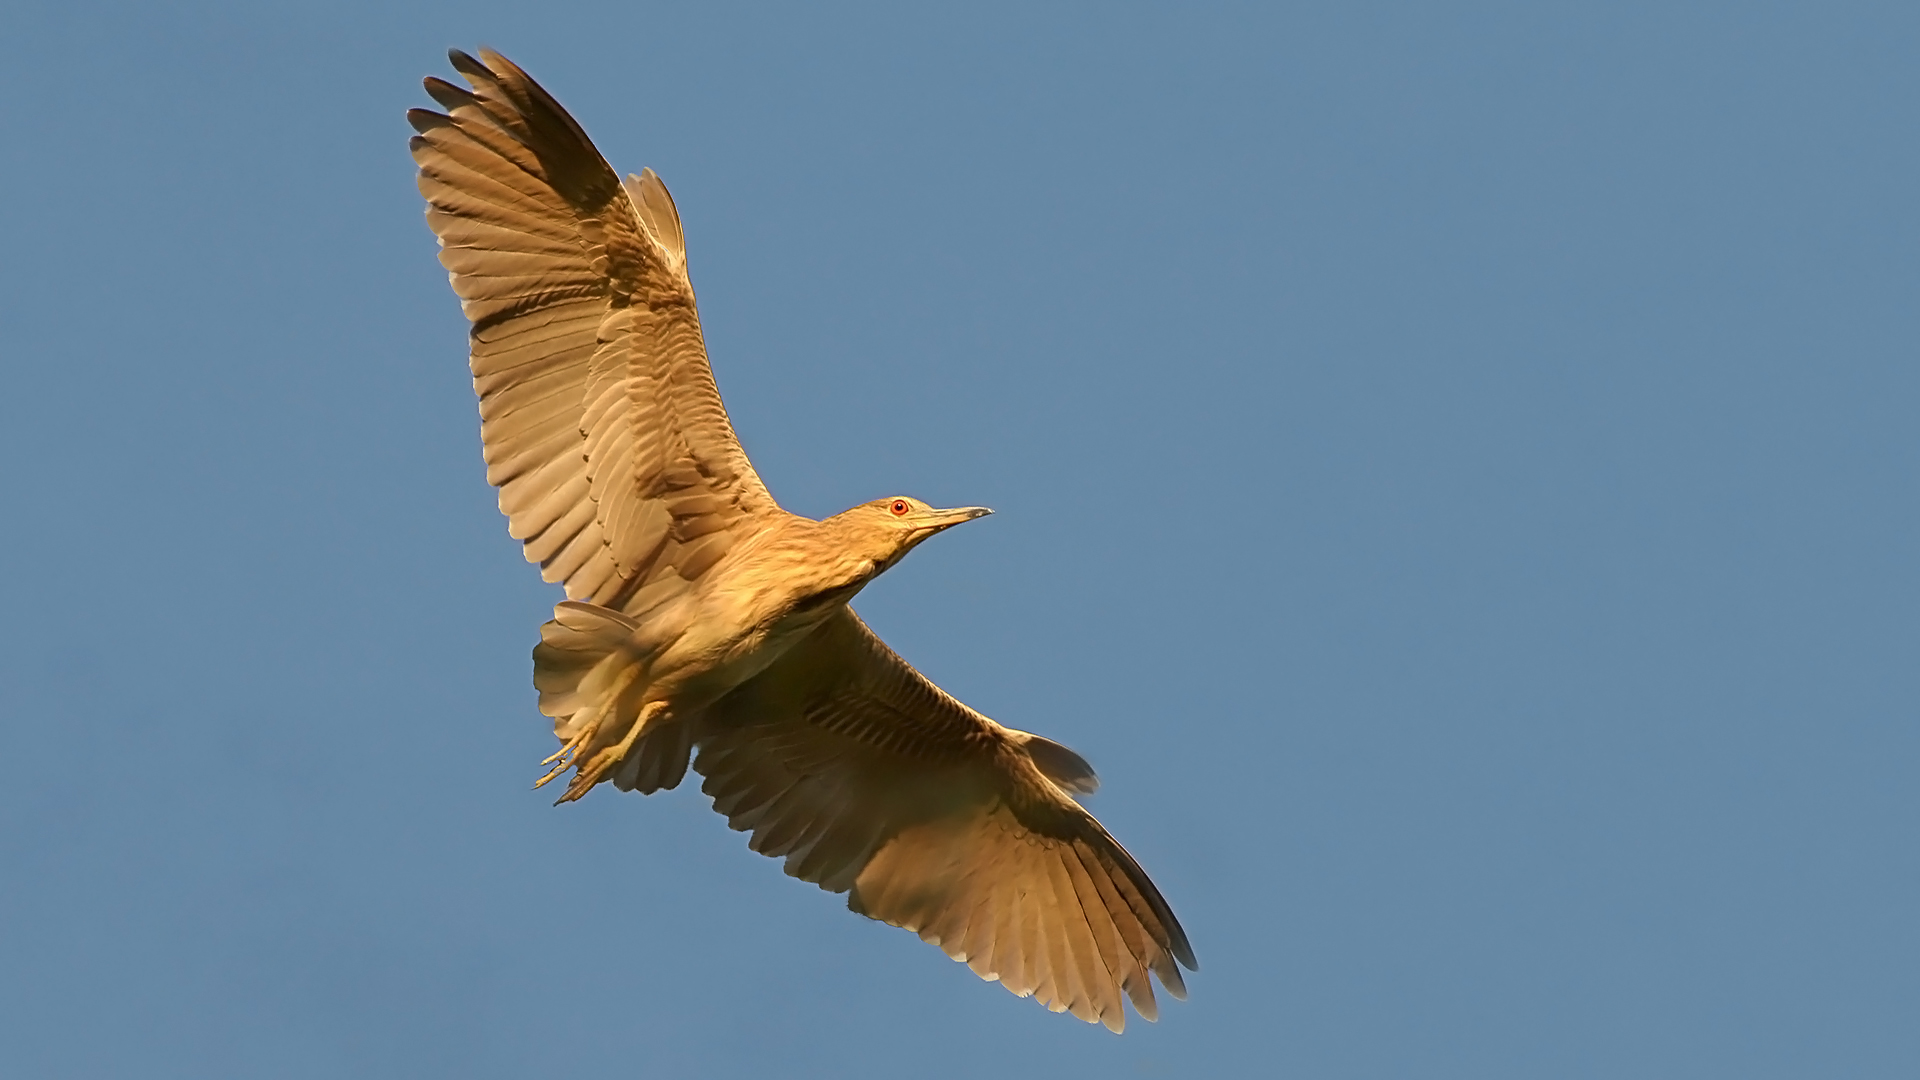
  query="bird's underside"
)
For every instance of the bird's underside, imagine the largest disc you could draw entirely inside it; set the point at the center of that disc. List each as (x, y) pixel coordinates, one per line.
(705, 625)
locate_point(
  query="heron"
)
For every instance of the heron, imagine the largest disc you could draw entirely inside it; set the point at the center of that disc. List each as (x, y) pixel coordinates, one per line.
(707, 627)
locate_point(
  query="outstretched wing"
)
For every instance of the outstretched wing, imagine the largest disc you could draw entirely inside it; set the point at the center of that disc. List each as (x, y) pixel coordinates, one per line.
(601, 424)
(867, 778)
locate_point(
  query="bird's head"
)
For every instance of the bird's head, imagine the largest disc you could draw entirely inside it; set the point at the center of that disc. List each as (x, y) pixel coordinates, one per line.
(889, 528)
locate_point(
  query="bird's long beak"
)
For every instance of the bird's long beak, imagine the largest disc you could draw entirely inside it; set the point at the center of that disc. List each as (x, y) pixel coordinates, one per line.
(947, 519)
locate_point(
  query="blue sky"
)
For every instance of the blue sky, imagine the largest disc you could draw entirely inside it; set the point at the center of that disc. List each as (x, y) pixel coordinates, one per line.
(1456, 472)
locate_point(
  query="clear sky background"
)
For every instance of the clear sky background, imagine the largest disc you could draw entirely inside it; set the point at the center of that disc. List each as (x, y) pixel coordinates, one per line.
(1457, 480)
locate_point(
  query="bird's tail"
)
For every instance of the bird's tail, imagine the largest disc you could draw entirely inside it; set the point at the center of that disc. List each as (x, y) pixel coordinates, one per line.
(593, 674)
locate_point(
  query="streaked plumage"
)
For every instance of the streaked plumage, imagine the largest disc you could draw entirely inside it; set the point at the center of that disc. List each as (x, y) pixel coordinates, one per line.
(706, 625)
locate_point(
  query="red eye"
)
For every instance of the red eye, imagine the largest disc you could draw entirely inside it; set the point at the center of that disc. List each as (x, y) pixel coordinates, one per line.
(899, 507)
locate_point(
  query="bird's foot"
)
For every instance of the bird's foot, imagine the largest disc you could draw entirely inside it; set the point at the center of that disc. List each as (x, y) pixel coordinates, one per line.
(595, 768)
(562, 758)
(589, 729)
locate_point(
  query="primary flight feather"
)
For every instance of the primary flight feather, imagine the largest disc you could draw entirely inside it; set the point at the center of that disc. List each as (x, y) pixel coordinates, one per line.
(704, 624)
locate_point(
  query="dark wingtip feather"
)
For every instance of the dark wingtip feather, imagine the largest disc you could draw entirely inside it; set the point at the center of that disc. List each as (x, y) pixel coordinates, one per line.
(1182, 951)
(448, 95)
(467, 65)
(425, 120)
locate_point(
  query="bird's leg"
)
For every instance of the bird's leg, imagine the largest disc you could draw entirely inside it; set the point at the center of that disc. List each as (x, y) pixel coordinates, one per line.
(569, 753)
(596, 767)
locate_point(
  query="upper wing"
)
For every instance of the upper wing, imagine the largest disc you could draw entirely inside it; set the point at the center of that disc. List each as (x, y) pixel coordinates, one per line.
(598, 413)
(866, 776)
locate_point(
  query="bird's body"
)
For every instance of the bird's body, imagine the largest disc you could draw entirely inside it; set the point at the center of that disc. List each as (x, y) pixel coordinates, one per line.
(770, 591)
(703, 618)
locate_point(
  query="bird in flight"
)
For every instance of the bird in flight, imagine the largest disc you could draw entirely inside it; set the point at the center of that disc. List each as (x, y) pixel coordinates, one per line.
(705, 625)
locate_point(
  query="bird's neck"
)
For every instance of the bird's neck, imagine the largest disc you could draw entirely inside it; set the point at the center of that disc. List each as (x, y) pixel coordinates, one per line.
(814, 565)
